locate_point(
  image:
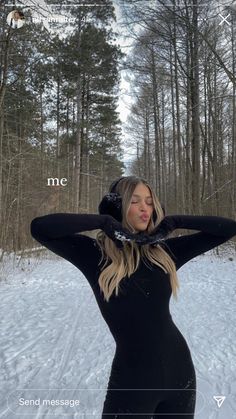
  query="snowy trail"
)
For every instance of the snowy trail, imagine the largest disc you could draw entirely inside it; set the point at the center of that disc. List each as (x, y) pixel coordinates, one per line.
(56, 345)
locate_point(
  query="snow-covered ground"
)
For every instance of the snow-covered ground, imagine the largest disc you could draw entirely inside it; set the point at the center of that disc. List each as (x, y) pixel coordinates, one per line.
(55, 345)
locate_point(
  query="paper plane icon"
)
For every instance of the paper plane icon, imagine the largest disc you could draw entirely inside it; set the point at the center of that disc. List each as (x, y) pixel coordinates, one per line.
(219, 400)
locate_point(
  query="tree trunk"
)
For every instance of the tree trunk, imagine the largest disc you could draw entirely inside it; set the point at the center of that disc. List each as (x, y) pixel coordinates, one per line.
(155, 111)
(232, 161)
(77, 179)
(175, 174)
(195, 112)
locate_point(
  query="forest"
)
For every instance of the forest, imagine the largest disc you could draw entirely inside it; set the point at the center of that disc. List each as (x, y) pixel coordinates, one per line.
(60, 83)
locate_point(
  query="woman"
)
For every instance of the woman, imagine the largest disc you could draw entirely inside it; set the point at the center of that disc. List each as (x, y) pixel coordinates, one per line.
(16, 19)
(152, 371)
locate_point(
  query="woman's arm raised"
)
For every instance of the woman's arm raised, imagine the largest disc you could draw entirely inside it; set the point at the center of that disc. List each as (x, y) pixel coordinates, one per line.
(55, 226)
(218, 226)
(60, 225)
(59, 233)
(213, 232)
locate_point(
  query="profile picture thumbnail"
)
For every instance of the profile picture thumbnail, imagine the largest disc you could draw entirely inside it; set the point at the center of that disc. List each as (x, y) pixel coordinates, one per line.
(16, 19)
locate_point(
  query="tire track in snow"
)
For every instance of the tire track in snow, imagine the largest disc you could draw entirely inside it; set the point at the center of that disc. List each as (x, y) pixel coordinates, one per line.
(29, 345)
(66, 339)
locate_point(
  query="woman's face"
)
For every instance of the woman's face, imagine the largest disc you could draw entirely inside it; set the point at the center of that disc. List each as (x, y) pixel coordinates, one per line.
(141, 208)
(16, 16)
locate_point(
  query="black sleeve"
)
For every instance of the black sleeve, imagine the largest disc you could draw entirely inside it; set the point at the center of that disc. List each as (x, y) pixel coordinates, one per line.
(54, 226)
(59, 233)
(214, 231)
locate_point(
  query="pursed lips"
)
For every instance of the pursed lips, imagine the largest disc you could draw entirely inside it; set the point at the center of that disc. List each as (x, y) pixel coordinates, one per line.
(144, 217)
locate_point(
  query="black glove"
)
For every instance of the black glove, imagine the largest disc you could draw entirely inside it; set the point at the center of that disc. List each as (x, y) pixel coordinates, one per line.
(165, 227)
(116, 232)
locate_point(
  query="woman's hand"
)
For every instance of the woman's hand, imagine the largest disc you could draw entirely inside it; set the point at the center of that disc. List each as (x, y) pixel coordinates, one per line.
(165, 227)
(116, 232)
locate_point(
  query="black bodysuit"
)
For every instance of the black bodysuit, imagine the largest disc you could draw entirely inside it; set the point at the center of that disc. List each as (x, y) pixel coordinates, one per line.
(152, 372)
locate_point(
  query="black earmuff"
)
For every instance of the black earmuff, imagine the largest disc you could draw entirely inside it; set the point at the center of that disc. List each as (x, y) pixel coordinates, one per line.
(111, 203)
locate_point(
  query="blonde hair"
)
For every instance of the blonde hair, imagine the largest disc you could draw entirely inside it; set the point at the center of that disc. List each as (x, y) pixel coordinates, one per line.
(124, 262)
